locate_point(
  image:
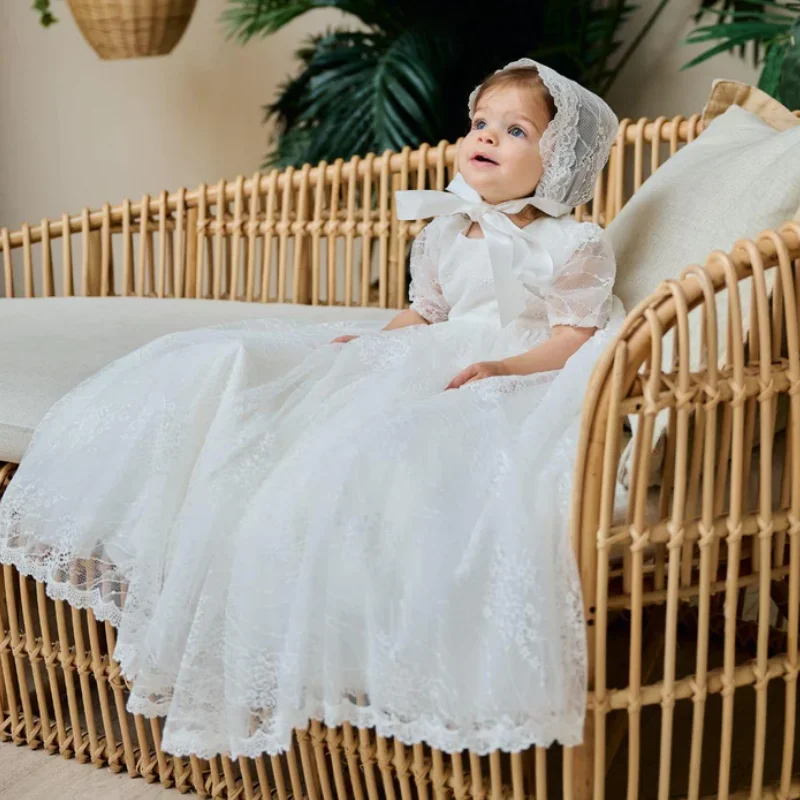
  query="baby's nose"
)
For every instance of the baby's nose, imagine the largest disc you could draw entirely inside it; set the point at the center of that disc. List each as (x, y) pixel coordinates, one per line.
(488, 136)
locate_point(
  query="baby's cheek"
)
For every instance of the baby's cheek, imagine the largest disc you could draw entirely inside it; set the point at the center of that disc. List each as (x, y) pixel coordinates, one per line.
(533, 167)
(463, 148)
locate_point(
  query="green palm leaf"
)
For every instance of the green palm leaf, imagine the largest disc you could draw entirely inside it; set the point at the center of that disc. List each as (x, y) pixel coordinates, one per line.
(760, 24)
(789, 83)
(404, 76)
(245, 19)
(359, 92)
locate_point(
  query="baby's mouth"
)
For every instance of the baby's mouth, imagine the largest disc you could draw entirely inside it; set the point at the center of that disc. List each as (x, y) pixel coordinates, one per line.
(479, 158)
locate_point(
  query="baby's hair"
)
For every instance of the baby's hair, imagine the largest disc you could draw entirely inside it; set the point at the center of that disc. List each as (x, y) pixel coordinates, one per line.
(519, 78)
(526, 78)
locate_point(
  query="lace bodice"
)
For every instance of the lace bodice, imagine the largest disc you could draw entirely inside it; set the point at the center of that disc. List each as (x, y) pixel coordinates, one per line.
(452, 276)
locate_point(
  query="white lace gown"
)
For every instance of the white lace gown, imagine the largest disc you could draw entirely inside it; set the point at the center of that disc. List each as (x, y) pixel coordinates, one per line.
(283, 529)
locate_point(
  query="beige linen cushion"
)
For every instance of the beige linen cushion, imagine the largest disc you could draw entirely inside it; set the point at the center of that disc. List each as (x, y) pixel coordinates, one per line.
(740, 176)
(52, 344)
(725, 94)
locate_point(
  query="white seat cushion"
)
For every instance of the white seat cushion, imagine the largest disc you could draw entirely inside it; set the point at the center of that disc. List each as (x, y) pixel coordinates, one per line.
(49, 345)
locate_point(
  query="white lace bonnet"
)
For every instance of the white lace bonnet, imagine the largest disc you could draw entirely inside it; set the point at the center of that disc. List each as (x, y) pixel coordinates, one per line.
(576, 143)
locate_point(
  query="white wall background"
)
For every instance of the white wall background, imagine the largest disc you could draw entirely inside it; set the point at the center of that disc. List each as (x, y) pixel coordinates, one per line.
(77, 131)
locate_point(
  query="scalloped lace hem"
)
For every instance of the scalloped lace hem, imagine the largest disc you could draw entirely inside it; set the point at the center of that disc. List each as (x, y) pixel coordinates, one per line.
(506, 735)
(103, 610)
(484, 737)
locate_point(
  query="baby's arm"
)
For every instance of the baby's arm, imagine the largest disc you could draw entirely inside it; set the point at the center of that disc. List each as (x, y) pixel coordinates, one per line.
(578, 303)
(549, 355)
(402, 320)
(552, 354)
(406, 318)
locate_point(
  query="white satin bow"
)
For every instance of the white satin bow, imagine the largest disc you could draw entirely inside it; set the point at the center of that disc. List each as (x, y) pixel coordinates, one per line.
(498, 229)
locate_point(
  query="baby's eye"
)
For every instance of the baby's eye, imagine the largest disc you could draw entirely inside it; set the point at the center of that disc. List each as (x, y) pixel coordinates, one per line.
(479, 124)
(515, 130)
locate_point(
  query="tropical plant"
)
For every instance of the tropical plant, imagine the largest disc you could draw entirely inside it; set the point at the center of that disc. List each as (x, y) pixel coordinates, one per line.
(401, 76)
(770, 29)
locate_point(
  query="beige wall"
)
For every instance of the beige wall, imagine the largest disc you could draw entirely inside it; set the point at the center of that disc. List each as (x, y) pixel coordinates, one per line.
(76, 131)
(652, 84)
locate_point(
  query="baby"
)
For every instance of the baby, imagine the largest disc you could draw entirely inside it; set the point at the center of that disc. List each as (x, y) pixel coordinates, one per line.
(336, 523)
(513, 143)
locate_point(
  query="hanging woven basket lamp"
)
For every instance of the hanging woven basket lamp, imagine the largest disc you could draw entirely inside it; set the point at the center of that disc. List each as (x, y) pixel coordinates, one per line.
(132, 28)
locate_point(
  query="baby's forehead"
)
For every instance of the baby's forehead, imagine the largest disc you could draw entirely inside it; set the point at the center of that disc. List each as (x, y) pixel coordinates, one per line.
(513, 101)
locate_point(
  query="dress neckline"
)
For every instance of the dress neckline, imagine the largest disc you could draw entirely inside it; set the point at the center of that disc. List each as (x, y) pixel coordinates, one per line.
(462, 233)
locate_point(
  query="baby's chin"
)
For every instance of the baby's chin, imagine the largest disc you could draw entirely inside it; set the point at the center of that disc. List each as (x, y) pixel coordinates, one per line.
(493, 189)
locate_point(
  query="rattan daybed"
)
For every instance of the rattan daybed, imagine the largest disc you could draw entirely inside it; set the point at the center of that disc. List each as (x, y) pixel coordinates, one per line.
(691, 587)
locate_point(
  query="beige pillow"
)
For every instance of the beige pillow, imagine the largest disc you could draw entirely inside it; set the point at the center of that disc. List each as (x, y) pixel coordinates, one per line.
(740, 176)
(725, 94)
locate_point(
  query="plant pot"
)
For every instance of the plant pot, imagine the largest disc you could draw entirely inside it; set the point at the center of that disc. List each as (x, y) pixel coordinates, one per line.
(132, 28)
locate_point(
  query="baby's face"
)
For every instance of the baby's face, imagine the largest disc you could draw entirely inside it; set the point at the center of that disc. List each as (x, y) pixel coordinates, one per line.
(500, 157)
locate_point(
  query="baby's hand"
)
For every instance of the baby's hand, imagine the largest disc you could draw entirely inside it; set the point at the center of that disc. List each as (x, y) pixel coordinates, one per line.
(475, 372)
(343, 339)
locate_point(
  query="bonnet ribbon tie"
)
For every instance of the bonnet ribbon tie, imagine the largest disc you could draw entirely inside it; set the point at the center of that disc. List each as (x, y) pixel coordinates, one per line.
(498, 230)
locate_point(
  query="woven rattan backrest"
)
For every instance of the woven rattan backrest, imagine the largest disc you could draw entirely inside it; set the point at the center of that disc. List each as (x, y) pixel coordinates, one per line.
(325, 234)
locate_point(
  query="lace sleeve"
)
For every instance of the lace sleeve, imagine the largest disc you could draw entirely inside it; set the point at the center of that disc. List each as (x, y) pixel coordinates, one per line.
(580, 294)
(425, 292)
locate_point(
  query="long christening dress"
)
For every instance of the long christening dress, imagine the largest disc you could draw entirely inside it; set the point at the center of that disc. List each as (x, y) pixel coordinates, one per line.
(282, 528)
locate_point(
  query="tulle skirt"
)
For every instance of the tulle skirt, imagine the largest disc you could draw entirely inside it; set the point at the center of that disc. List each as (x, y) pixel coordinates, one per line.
(285, 529)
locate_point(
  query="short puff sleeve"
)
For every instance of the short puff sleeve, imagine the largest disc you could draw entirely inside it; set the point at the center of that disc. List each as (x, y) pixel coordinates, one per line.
(425, 292)
(580, 293)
